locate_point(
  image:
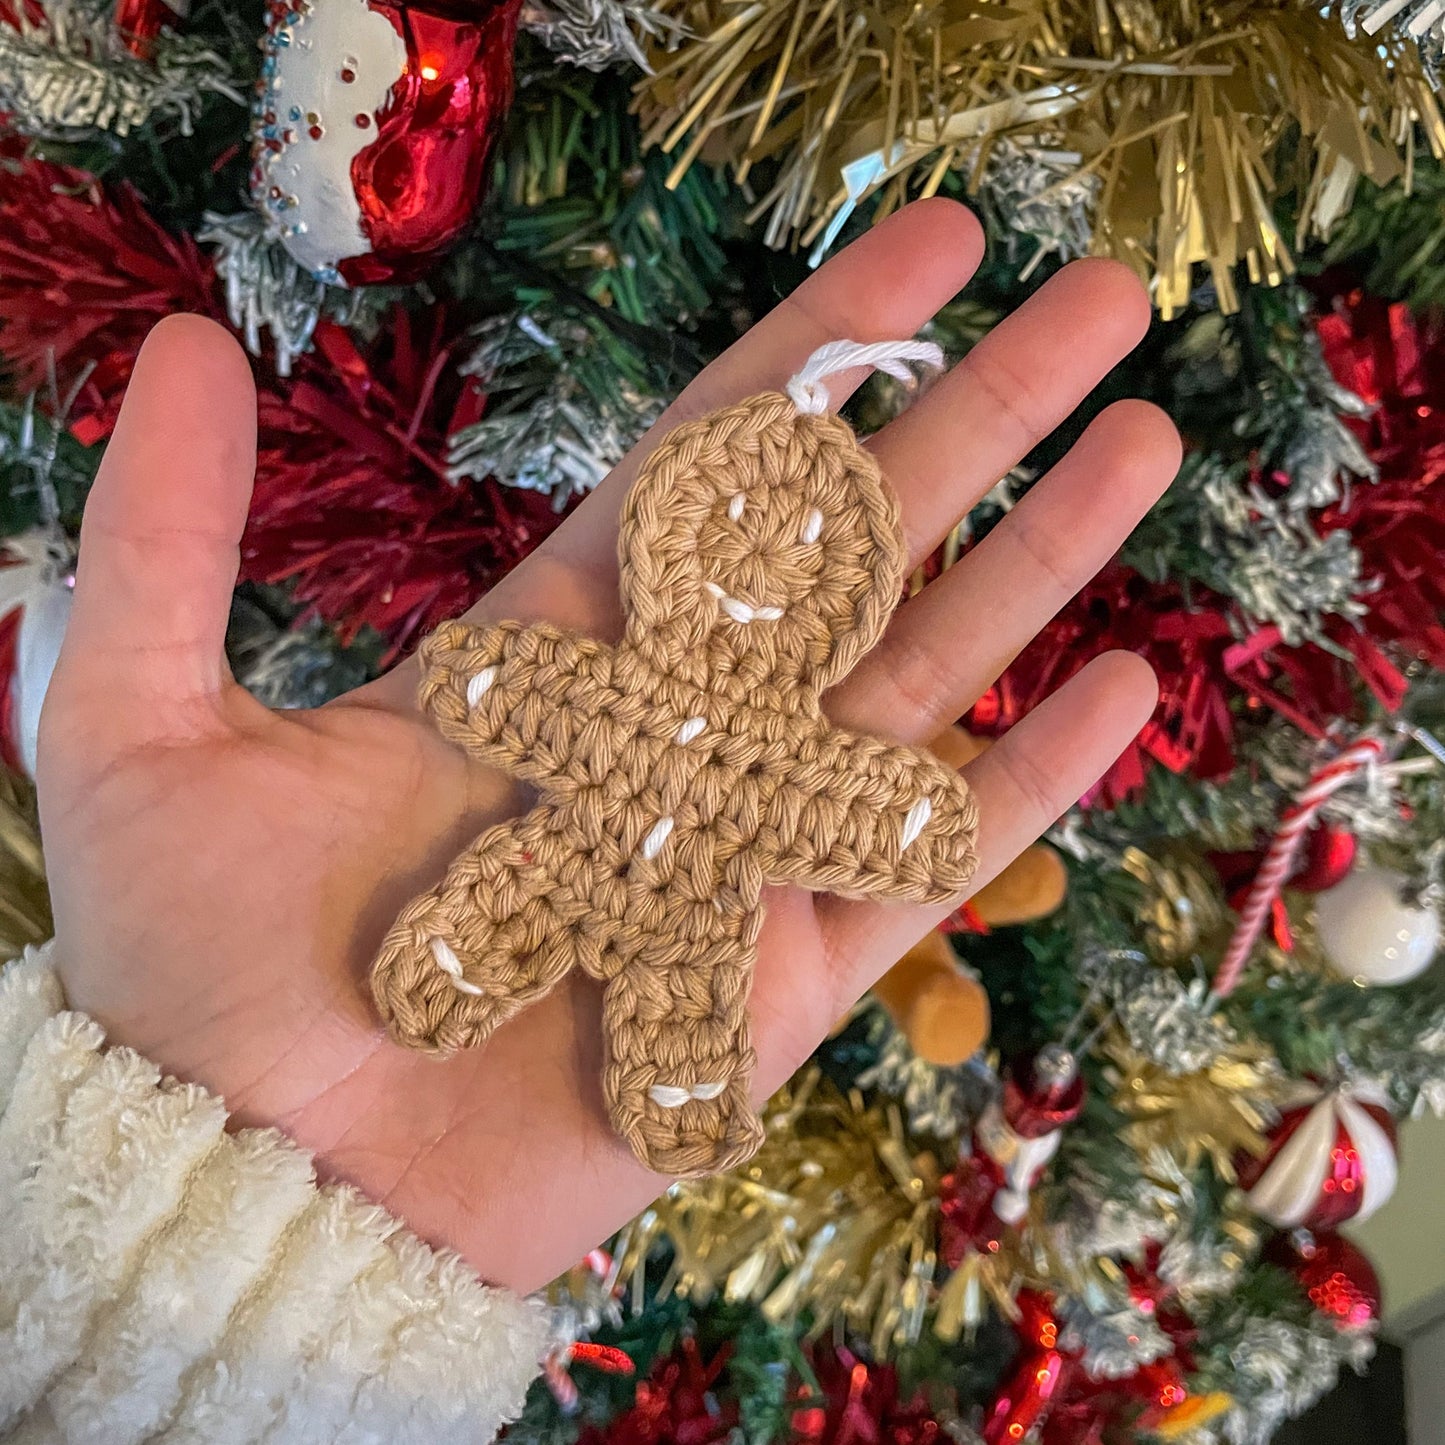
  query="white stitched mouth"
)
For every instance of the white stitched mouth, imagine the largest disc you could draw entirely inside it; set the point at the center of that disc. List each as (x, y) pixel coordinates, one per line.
(739, 610)
(674, 1096)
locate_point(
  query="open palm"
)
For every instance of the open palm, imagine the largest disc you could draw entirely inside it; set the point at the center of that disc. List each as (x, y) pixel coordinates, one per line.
(222, 874)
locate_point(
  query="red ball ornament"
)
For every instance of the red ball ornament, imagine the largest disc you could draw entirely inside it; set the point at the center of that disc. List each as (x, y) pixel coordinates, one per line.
(139, 22)
(1327, 855)
(1336, 1275)
(1331, 1157)
(374, 122)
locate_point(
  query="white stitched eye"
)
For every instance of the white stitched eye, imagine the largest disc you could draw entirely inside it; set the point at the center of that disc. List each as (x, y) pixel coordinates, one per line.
(812, 527)
(735, 507)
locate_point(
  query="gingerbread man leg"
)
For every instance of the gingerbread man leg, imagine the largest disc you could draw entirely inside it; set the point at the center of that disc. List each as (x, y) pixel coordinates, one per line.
(514, 914)
(679, 1052)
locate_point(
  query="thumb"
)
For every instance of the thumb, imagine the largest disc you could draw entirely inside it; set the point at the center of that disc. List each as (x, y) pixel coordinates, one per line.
(159, 541)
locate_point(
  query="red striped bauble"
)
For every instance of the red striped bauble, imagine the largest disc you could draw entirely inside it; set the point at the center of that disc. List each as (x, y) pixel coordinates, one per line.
(1332, 1157)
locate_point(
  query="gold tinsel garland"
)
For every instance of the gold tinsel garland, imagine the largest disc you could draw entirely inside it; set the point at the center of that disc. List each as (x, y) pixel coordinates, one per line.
(834, 1219)
(24, 896)
(1178, 111)
(1218, 1113)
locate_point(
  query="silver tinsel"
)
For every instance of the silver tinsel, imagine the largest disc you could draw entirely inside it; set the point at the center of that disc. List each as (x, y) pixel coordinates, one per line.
(1322, 454)
(1165, 1019)
(1045, 202)
(289, 667)
(1422, 20)
(595, 34)
(266, 291)
(1197, 1268)
(938, 1103)
(1431, 1085)
(1280, 1370)
(1268, 556)
(1100, 1219)
(556, 421)
(71, 75)
(1114, 1338)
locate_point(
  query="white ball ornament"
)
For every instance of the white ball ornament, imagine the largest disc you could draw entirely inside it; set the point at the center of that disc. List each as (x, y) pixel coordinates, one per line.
(1370, 932)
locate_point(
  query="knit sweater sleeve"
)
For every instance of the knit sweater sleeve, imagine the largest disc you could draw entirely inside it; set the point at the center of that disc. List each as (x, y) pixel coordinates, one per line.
(163, 1279)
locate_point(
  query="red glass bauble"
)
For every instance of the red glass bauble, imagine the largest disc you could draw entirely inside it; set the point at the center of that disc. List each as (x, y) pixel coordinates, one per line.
(1327, 855)
(374, 125)
(1336, 1274)
(1329, 1160)
(1044, 1093)
(139, 22)
(966, 1220)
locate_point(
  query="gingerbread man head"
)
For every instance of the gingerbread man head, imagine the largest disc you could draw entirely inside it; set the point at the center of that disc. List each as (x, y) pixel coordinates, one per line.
(763, 545)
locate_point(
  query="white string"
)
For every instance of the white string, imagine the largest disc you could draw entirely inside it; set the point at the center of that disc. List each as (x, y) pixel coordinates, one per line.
(811, 396)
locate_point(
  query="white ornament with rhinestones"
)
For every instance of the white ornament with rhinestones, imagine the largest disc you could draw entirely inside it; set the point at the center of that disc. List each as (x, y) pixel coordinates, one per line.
(329, 67)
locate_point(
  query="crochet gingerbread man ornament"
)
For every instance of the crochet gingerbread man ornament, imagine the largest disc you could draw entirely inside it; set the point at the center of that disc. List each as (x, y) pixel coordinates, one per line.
(683, 768)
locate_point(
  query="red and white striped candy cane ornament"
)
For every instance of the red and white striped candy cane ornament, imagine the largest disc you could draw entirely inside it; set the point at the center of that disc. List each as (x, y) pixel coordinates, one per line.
(1279, 861)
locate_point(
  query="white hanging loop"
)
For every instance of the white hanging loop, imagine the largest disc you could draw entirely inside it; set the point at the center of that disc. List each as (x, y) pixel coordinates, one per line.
(893, 357)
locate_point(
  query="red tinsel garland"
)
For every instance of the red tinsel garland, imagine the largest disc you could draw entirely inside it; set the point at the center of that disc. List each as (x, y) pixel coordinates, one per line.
(352, 507)
(675, 1405)
(684, 1401)
(352, 504)
(1396, 362)
(1212, 663)
(85, 272)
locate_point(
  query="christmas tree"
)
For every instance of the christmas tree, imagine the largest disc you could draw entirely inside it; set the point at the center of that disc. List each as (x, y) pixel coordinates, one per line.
(1075, 1172)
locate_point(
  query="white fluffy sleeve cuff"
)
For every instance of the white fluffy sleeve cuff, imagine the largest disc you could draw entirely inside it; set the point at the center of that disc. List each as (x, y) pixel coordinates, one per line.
(164, 1280)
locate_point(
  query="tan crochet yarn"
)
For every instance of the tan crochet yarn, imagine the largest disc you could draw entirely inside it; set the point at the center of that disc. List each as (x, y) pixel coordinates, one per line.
(679, 771)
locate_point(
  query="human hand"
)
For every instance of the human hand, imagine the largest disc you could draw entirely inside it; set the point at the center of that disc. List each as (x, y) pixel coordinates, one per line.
(222, 874)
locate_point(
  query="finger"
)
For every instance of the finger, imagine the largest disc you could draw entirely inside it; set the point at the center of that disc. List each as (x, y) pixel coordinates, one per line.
(162, 526)
(1008, 394)
(1026, 781)
(948, 645)
(885, 285)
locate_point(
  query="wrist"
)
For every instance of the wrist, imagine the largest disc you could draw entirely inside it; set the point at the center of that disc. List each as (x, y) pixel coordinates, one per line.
(174, 1274)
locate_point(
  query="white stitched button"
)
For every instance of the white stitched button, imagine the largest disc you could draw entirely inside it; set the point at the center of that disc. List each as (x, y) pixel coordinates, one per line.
(916, 821)
(652, 844)
(707, 1091)
(735, 507)
(812, 527)
(668, 1095)
(449, 963)
(480, 685)
(690, 729)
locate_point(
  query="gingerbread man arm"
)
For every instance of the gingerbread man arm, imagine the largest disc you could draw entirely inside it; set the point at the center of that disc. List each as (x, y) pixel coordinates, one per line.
(679, 1051)
(516, 912)
(860, 817)
(515, 695)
